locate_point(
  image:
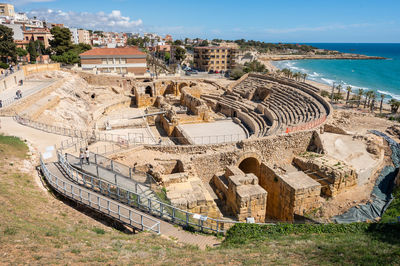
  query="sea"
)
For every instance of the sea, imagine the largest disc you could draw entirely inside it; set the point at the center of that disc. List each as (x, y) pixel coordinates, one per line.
(382, 76)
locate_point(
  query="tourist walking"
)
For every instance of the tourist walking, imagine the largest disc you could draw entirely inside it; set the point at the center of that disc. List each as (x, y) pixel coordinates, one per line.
(1, 103)
(87, 154)
(81, 156)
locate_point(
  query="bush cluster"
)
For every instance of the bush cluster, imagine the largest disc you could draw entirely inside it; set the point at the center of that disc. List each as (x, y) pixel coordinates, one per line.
(245, 233)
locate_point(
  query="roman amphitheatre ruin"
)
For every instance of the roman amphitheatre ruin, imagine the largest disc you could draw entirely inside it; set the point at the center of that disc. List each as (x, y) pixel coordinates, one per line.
(200, 151)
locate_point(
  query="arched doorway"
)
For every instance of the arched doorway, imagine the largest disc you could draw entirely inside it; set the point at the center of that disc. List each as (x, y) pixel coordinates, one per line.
(250, 165)
(149, 91)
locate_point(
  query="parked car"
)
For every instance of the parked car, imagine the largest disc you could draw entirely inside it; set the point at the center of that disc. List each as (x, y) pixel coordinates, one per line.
(216, 72)
(187, 73)
(211, 72)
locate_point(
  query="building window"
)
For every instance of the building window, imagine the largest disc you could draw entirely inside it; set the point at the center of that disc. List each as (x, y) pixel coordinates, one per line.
(123, 61)
(217, 56)
(212, 62)
(217, 62)
(222, 62)
(217, 50)
(223, 56)
(104, 61)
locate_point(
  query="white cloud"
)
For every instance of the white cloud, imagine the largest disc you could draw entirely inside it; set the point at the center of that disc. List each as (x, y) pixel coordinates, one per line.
(113, 21)
(25, 2)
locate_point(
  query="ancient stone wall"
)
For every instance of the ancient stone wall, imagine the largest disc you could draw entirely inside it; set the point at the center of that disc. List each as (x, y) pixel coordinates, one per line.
(241, 195)
(36, 68)
(271, 149)
(288, 193)
(334, 175)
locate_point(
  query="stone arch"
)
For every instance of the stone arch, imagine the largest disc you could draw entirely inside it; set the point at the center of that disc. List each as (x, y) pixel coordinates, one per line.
(250, 163)
(182, 85)
(149, 90)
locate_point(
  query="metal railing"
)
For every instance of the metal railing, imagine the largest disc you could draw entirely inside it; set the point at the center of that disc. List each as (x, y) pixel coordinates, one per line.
(75, 133)
(151, 206)
(105, 206)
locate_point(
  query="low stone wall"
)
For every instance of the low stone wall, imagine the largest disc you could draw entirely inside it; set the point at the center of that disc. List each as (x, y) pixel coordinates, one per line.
(11, 80)
(334, 175)
(36, 68)
(104, 80)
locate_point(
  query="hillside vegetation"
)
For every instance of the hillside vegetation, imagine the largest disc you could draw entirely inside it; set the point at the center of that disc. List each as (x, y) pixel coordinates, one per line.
(38, 228)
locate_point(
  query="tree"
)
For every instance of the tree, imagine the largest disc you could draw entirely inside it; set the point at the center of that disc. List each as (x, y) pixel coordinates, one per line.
(7, 45)
(348, 89)
(204, 43)
(381, 105)
(254, 66)
(167, 57)
(180, 54)
(32, 50)
(373, 97)
(236, 73)
(61, 41)
(360, 94)
(21, 52)
(304, 77)
(339, 88)
(394, 105)
(178, 42)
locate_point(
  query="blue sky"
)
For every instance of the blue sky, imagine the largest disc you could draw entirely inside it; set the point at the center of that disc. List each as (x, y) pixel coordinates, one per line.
(273, 21)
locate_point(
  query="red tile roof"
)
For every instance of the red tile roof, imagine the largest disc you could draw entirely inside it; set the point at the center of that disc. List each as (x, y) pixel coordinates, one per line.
(132, 50)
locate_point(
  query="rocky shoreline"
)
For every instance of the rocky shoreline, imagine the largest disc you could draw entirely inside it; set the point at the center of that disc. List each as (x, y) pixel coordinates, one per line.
(331, 57)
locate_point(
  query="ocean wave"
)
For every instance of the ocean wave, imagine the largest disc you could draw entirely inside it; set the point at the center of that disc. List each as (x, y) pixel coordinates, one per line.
(392, 95)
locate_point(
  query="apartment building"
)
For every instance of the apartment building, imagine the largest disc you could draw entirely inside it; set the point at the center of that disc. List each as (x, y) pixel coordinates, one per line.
(7, 10)
(215, 58)
(84, 36)
(115, 60)
(74, 35)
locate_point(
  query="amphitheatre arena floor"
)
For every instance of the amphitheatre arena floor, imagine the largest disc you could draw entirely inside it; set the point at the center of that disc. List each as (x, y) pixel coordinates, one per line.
(214, 132)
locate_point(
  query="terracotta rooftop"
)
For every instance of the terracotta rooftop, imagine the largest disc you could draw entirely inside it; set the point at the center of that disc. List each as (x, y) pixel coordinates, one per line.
(133, 50)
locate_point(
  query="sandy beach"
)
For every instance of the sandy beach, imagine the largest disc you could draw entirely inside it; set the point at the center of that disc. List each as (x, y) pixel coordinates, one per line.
(271, 68)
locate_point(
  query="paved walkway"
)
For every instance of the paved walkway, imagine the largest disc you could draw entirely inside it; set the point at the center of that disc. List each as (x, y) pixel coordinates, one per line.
(30, 87)
(168, 230)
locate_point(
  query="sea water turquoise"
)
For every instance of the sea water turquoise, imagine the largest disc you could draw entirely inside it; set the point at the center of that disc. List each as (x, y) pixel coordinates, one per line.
(382, 76)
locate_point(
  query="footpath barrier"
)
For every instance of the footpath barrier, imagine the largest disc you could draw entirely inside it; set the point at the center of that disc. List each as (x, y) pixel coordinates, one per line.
(306, 126)
(137, 200)
(107, 207)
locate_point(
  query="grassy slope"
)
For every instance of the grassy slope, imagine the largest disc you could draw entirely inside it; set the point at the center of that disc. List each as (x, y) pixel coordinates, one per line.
(36, 227)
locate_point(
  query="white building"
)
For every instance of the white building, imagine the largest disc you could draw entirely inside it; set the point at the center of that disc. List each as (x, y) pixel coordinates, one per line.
(74, 35)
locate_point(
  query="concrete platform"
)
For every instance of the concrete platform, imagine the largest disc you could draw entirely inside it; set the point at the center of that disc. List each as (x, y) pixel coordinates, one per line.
(214, 132)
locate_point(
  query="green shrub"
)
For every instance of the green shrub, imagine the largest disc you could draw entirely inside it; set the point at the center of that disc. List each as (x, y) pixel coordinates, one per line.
(4, 65)
(10, 231)
(245, 233)
(391, 214)
(325, 94)
(98, 231)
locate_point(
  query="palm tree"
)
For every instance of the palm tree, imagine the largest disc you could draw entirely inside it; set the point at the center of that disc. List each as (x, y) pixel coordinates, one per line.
(373, 97)
(304, 77)
(348, 93)
(367, 94)
(360, 94)
(381, 106)
(339, 88)
(394, 105)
